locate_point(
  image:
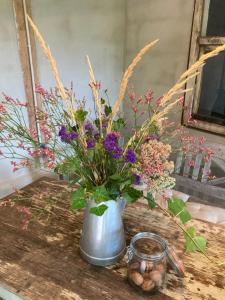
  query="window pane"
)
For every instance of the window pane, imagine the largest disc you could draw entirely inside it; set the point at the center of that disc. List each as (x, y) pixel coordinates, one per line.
(212, 97)
(216, 18)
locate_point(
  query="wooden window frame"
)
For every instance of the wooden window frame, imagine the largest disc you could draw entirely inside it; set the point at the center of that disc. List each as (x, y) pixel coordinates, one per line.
(199, 45)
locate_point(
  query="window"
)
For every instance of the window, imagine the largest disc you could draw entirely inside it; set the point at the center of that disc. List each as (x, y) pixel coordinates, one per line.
(207, 101)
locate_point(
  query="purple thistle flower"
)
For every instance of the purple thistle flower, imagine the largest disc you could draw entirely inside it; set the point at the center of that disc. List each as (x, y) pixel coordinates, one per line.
(130, 156)
(136, 179)
(90, 143)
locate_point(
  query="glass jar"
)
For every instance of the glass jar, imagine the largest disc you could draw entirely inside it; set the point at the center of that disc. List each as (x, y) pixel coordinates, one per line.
(147, 262)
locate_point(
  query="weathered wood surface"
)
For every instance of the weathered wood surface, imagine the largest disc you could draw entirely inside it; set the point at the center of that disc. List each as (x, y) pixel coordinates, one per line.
(43, 262)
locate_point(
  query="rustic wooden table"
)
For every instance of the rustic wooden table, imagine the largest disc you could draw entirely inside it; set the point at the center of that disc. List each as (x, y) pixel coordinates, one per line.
(43, 262)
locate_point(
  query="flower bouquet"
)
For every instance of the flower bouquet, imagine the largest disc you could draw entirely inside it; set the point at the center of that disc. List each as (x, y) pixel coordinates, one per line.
(98, 152)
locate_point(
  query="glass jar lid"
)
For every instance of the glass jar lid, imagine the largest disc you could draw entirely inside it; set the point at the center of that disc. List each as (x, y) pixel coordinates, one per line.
(157, 253)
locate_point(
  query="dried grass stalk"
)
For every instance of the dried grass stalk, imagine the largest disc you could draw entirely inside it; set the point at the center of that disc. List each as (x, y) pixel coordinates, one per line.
(95, 92)
(49, 57)
(125, 79)
(178, 88)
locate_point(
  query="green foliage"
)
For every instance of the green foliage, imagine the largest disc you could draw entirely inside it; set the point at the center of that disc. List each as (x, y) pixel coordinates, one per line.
(98, 210)
(71, 165)
(178, 208)
(194, 242)
(102, 101)
(80, 115)
(118, 124)
(100, 194)
(151, 200)
(78, 199)
(131, 194)
(108, 110)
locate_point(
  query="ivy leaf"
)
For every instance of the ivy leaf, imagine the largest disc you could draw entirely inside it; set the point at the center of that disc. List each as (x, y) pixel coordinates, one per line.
(178, 208)
(98, 210)
(108, 110)
(151, 200)
(80, 115)
(131, 194)
(100, 194)
(78, 199)
(199, 240)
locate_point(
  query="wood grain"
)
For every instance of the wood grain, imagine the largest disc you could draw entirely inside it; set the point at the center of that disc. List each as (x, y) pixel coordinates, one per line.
(43, 262)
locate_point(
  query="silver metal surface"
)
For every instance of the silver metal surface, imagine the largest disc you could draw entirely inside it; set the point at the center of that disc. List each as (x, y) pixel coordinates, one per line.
(102, 241)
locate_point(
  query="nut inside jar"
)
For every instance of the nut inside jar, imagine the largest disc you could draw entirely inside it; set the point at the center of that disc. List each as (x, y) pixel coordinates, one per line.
(147, 264)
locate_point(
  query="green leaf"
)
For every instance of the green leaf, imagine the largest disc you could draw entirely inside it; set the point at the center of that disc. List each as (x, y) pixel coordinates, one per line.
(100, 194)
(80, 115)
(151, 200)
(98, 210)
(116, 177)
(131, 194)
(178, 208)
(118, 124)
(185, 216)
(78, 199)
(108, 110)
(102, 101)
(125, 183)
(199, 243)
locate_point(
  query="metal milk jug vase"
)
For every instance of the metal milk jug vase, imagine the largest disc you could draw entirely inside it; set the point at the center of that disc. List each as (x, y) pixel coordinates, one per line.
(103, 241)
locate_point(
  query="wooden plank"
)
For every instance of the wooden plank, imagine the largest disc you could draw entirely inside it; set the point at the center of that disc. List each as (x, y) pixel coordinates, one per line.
(206, 170)
(44, 262)
(211, 195)
(24, 57)
(178, 163)
(198, 161)
(211, 40)
(187, 168)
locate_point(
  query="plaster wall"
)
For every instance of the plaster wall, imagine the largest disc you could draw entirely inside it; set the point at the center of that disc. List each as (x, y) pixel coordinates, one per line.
(75, 28)
(11, 83)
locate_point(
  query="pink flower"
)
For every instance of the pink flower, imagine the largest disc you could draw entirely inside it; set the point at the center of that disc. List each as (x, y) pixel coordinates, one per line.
(149, 96)
(2, 108)
(40, 90)
(132, 95)
(191, 163)
(135, 109)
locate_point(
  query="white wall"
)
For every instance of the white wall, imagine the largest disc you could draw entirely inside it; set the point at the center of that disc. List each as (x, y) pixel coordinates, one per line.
(74, 28)
(11, 83)
(170, 21)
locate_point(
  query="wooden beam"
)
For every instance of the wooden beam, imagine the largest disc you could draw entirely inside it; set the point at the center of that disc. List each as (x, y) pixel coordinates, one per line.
(25, 58)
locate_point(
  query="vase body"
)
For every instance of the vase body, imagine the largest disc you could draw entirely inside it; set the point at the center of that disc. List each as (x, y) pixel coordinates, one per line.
(102, 240)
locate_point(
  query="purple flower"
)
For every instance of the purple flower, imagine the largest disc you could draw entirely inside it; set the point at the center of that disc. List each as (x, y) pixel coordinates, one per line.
(111, 144)
(89, 126)
(67, 136)
(130, 156)
(117, 152)
(136, 179)
(91, 143)
(72, 135)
